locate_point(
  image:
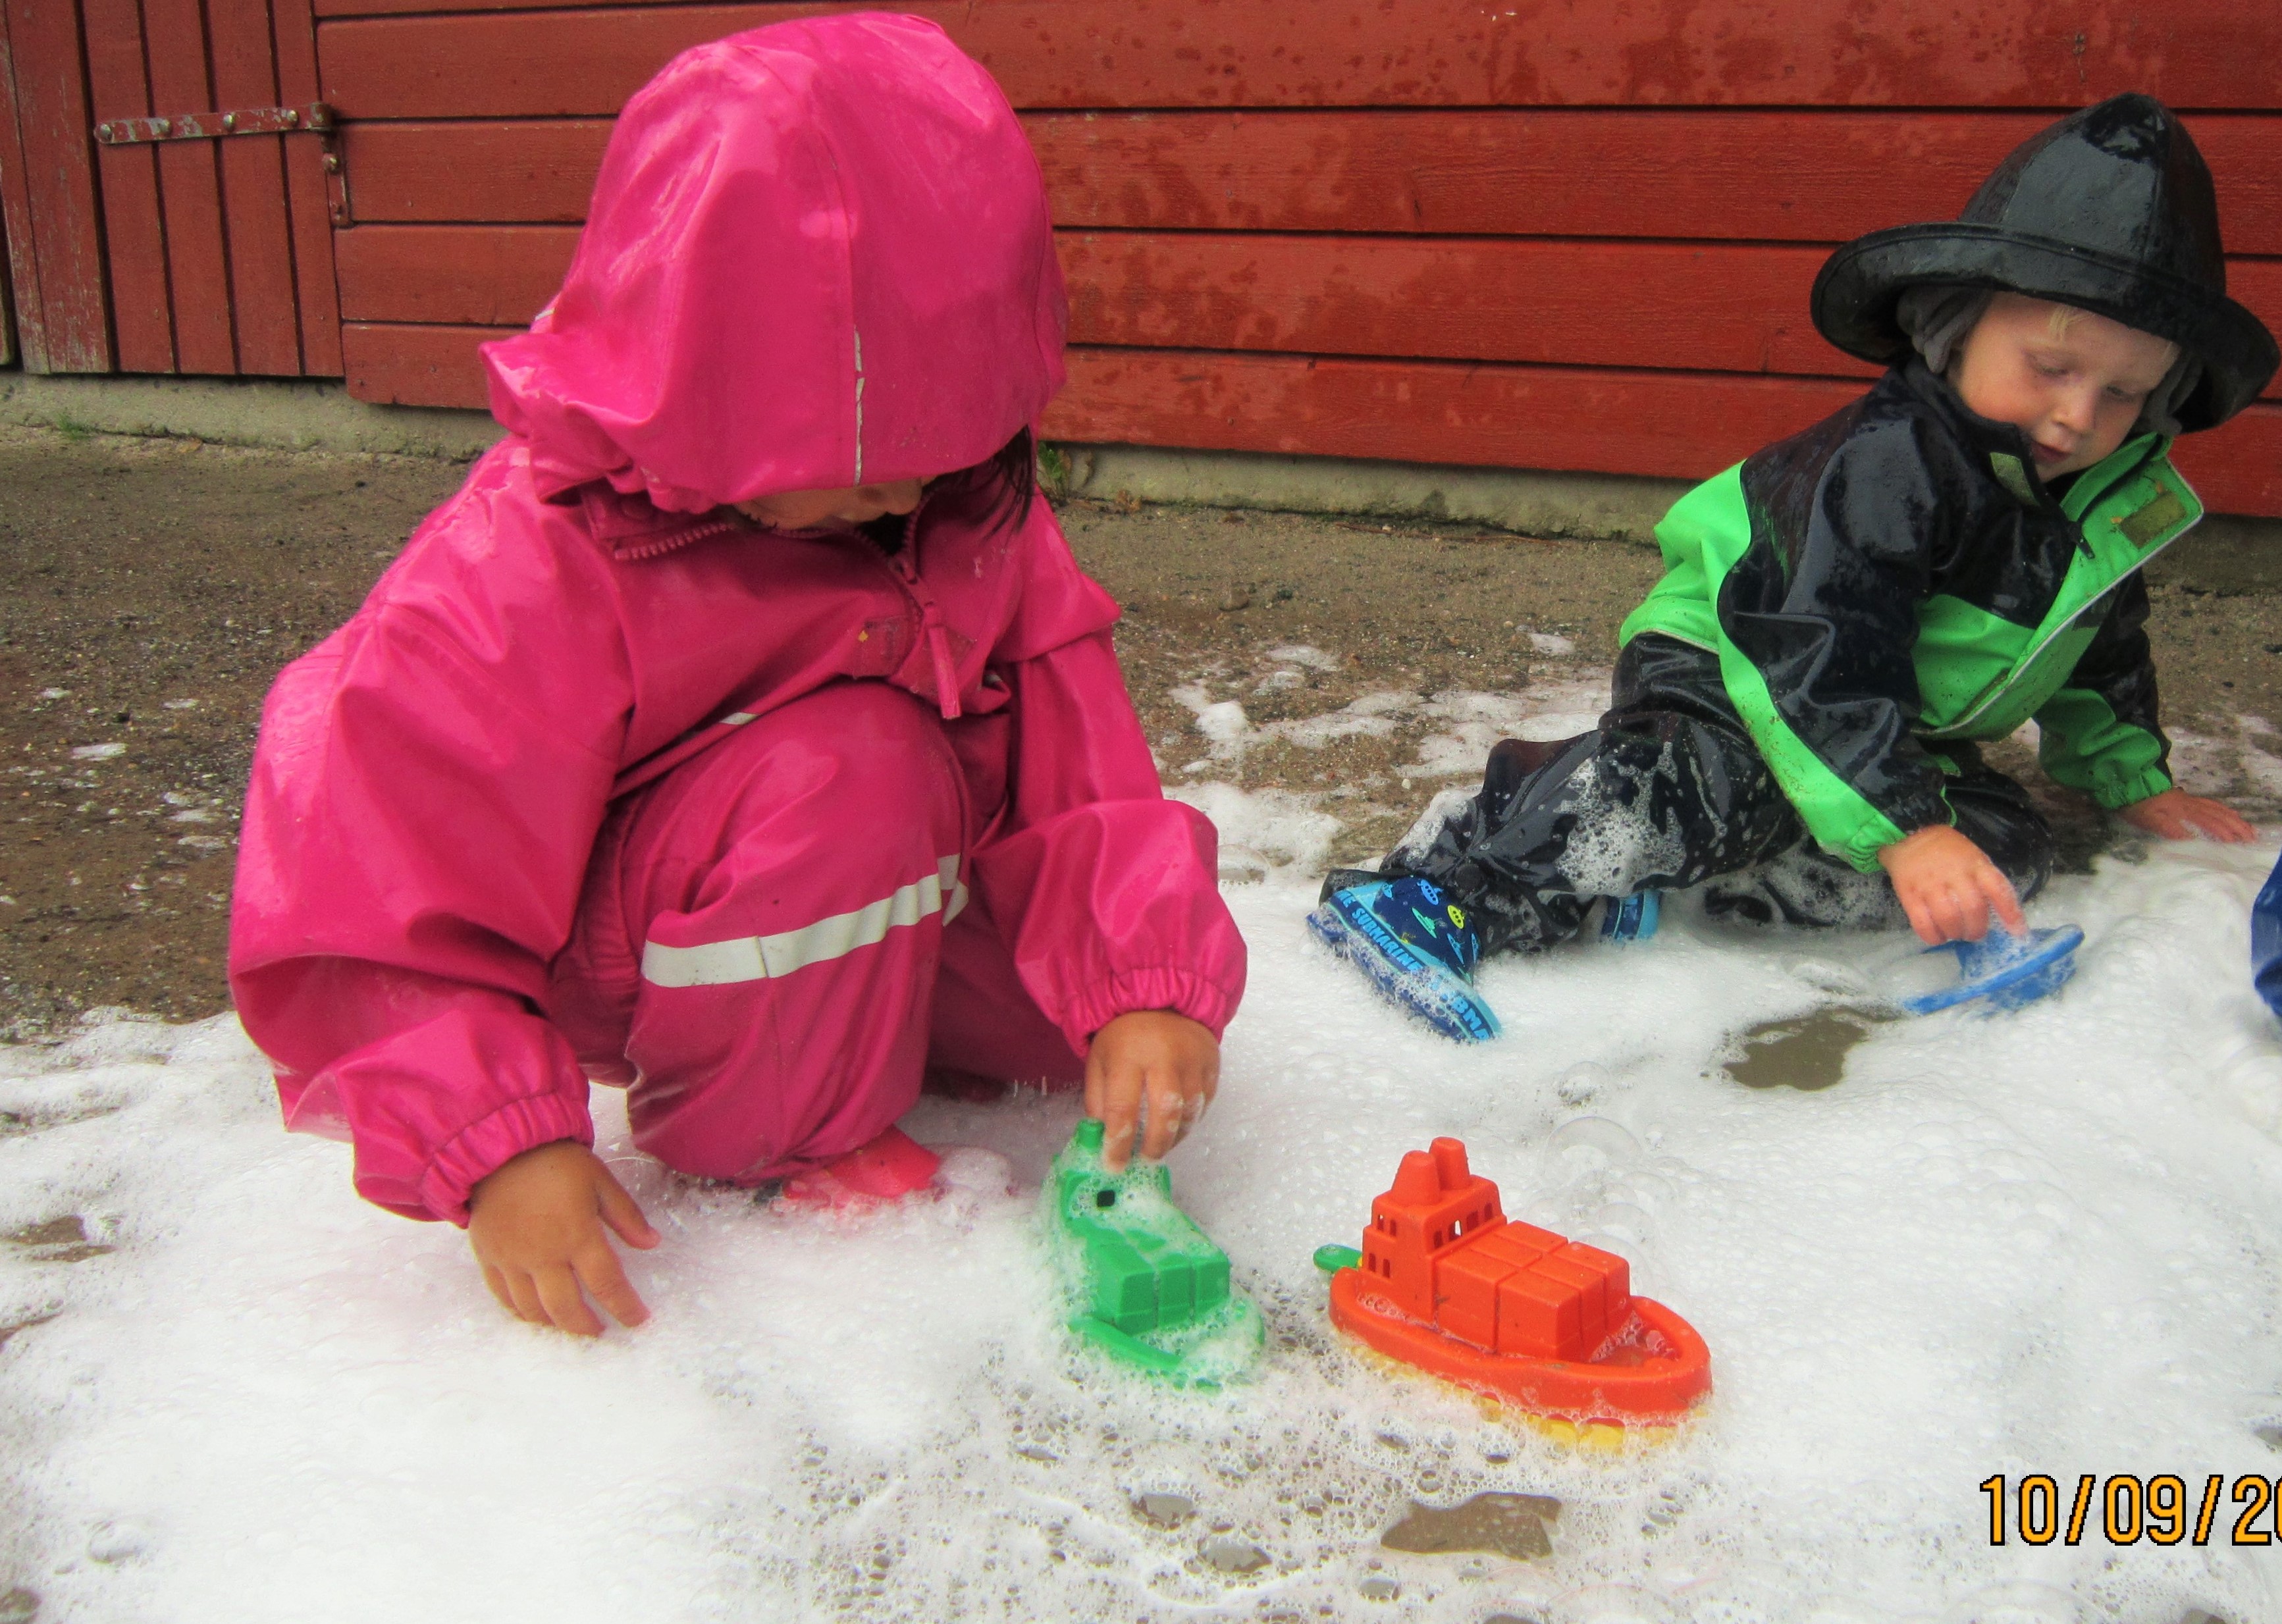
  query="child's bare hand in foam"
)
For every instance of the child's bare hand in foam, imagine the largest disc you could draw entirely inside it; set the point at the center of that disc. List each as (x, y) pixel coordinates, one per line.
(2177, 816)
(1949, 887)
(537, 1224)
(1169, 1060)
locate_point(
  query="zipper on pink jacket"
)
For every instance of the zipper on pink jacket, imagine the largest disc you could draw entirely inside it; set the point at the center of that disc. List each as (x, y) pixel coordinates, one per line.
(907, 566)
(674, 539)
(905, 562)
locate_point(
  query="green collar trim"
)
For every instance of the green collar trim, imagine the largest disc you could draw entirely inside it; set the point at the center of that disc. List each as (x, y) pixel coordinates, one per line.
(2092, 483)
(2167, 510)
(2111, 471)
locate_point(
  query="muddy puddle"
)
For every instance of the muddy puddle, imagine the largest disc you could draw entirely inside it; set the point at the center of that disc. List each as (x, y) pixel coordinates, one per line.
(1495, 1524)
(1807, 1052)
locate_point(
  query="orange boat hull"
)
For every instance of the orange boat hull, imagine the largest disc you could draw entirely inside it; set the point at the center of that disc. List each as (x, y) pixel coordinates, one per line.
(1653, 1377)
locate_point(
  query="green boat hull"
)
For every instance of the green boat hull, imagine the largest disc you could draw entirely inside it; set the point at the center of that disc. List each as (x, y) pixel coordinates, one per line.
(1143, 1284)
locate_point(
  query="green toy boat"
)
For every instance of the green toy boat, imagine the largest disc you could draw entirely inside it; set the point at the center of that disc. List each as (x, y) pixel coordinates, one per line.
(1145, 1284)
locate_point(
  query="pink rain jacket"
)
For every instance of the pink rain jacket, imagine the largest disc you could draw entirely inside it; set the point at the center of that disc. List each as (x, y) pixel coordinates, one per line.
(819, 256)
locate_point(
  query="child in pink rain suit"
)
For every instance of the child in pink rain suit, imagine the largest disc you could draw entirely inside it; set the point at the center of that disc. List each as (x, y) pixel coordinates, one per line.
(742, 732)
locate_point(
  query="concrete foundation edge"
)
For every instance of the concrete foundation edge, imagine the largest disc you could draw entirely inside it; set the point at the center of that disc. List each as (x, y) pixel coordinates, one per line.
(288, 413)
(318, 414)
(1596, 507)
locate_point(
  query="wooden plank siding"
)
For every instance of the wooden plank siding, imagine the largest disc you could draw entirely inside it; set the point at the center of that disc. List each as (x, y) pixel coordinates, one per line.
(189, 188)
(1712, 307)
(135, 229)
(243, 54)
(308, 193)
(189, 256)
(1688, 175)
(466, 58)
(1561, 238)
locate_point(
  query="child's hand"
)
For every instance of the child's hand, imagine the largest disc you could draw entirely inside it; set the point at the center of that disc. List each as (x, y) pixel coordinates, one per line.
(1947, 885)
(1171, 1059)
(2177, 816)
(536, 1224)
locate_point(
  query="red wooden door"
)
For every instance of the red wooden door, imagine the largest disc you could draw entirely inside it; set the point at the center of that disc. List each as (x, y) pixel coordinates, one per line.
(47, 191)
(140, 242)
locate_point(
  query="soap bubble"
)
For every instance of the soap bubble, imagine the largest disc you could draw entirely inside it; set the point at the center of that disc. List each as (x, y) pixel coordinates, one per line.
(1611, 1139)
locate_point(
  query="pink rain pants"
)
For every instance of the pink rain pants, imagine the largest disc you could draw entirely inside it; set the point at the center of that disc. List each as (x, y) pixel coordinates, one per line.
(776, 937)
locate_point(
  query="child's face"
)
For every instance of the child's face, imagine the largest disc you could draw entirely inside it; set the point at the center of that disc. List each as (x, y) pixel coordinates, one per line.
(809, 510)
(2073, 381)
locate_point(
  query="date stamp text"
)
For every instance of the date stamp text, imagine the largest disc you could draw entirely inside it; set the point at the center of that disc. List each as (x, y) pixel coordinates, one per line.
(2124, 1510)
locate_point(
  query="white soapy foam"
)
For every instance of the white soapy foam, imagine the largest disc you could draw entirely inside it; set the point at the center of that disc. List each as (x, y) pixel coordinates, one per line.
(1262, 832)
(2038, 1243)
(1222, 723)
(2041, 1242)
(1474, 721)
(1618, 842)
(2261, 769)
(1418, 839)
(1231, 731)
(1307, 655)
(1372, 716)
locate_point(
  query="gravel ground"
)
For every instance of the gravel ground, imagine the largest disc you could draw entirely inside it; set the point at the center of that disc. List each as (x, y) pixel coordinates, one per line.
(154, 587)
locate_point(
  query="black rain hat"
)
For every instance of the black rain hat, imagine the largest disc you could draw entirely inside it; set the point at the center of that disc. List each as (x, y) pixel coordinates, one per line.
(2110, 210)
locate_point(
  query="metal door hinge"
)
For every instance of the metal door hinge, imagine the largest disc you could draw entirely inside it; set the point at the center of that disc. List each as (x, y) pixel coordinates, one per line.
(316, 117)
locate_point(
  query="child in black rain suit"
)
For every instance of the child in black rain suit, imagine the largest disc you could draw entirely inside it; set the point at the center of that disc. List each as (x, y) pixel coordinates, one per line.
(1847, 613)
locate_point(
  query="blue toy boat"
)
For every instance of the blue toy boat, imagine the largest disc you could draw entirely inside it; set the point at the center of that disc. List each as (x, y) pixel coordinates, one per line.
(2004, 970)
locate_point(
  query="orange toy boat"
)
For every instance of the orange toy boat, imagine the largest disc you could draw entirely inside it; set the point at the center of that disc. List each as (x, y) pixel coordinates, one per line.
(1444, 1281)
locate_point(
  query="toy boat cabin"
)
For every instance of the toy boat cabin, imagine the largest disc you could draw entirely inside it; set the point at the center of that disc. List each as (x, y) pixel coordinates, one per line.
(1448, 1282)
(1440, 1248)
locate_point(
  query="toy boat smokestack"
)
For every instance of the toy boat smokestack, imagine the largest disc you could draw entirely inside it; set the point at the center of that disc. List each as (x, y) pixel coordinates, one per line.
(1435, 1201)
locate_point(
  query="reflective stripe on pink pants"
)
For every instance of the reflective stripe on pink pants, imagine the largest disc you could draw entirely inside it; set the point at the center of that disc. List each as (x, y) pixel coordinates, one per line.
(774, 940)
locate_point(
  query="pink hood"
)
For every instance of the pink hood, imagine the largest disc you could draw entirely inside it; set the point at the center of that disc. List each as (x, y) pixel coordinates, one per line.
(817, 256)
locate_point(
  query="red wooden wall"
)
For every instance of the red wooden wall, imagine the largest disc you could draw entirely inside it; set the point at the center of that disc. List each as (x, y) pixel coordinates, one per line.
(1556, 235)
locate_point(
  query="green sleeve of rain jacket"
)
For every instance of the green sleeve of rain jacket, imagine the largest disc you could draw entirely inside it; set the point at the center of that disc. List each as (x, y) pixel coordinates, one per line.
(1814, 595)
(2098, 734)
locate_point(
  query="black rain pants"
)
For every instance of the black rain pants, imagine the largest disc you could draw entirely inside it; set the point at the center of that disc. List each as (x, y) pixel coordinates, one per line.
(1667, 793)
